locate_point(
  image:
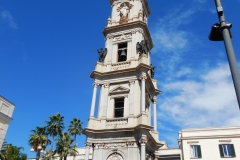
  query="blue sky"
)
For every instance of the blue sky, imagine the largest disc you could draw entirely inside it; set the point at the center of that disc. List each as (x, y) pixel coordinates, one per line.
(48, 50)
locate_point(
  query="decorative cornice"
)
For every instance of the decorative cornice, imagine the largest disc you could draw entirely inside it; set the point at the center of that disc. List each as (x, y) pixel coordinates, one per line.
(129, 25)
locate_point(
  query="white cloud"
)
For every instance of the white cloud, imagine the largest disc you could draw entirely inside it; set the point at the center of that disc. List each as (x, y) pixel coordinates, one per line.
(206, 101)
(6, 15)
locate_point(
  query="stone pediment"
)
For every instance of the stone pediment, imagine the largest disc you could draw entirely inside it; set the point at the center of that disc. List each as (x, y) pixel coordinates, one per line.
(119, 90)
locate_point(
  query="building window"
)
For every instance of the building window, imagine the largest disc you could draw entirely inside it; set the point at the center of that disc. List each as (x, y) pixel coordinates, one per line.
(119, 107)
(122, 52)
(196, 151)
(227, 150)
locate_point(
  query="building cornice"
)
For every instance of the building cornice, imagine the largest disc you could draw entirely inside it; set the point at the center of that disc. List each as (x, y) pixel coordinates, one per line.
(134, 24)
(4, 99)
(87, 131)
(210, 137)
(141, 67)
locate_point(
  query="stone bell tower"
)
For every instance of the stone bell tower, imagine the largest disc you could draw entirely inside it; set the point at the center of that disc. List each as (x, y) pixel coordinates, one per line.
(122, 129)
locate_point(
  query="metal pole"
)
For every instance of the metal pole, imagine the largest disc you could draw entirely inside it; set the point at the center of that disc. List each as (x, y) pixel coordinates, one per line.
(229, 49)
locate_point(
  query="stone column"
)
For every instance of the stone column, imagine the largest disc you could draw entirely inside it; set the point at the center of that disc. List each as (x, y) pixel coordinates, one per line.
(143, 102)
(131, 97)
(143, 142)
(88, 145)
(95, 85)
(155, 112)
(105, 100)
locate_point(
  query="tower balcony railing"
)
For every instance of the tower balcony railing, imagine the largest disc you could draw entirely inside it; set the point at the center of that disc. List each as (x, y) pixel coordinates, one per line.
(117, 122)
(121, 65)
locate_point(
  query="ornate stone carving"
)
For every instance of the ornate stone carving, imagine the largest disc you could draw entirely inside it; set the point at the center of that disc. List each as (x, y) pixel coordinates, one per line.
(115, 156)
(95, 84)
(143, 77)
(115, 145)
(88, 144)
(124, 10)
(132, 81)
(106, 85)
(131, 143)
(155, 99)
(123, 37)
(133, 31)
(143, 140)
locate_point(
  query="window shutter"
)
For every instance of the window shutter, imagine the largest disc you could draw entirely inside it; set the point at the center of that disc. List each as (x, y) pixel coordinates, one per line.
(199, 151)
(232, 150)
(221, 151)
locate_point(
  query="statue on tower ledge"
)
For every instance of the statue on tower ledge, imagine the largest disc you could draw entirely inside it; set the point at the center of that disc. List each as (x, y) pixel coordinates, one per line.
(102, 54)
(142, 47)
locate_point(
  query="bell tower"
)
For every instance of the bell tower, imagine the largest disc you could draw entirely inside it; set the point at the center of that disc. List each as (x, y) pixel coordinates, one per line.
(123, 128)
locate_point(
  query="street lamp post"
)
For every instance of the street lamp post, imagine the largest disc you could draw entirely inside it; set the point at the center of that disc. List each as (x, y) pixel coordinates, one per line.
(221, 32)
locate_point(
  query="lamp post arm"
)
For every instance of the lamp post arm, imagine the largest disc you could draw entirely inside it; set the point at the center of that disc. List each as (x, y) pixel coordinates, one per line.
(224, 27)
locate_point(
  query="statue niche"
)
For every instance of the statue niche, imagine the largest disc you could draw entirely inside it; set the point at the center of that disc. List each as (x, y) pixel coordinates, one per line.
(124, 10)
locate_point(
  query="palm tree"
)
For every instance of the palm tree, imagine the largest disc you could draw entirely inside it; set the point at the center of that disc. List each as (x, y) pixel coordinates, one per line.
(75, 128)
(3, 150)
(64, 146)
(47, 155)
(14, 153)
(38, 140)
(54, 127)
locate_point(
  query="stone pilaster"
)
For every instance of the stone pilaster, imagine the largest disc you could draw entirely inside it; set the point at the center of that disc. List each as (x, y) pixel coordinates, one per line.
(143, 142)
(105, 100)
(88, 145)
(143, 102)
(155, 112)
(95, 85)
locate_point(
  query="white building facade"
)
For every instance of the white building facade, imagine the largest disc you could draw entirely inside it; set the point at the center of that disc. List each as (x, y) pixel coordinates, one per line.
(6, 111)
(210, 143)
(122, 128)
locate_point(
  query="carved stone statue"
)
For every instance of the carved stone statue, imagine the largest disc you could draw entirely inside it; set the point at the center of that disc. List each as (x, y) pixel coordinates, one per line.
(142, 47)
(152, 71)
(124, 11)
(102, 54)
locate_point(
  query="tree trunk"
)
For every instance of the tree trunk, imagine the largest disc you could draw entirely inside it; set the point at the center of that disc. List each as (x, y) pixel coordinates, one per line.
(38, 155)
(74, 145)
(51, 147)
